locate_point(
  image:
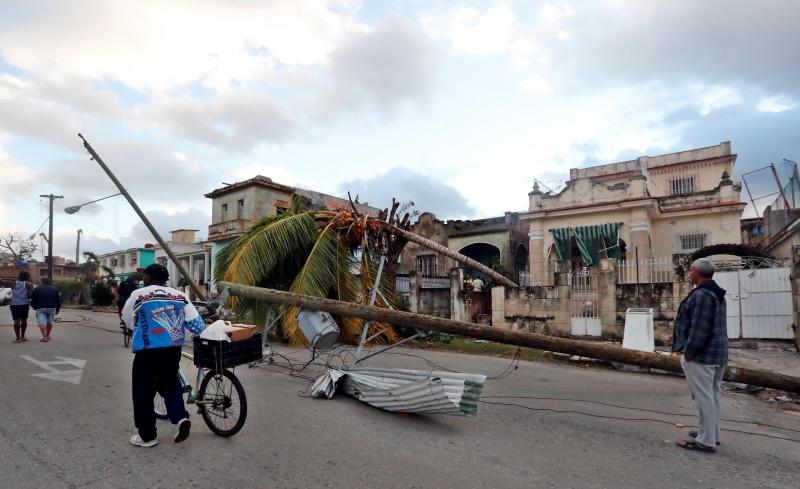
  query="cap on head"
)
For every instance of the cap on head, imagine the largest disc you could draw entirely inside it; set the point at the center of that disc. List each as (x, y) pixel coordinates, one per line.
(158, 273)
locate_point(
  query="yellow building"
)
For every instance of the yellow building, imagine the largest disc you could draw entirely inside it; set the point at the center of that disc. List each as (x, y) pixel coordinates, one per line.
(657, 206)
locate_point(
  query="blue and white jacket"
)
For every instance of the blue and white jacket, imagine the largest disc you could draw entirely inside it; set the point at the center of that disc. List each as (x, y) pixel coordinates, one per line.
(158, 316)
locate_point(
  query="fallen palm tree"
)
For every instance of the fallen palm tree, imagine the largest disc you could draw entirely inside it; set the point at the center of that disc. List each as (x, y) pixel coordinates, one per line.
(589, 349)
(337, 254)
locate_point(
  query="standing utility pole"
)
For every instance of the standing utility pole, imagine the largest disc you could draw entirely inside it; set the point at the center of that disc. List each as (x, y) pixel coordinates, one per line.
(200, 294)
(78, 248)
(50, 236)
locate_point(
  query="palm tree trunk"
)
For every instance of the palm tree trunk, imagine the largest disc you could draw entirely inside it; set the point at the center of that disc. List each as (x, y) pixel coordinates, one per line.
(432, 245)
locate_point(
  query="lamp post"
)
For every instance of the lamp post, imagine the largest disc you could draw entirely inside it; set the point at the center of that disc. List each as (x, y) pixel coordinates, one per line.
(75, 208)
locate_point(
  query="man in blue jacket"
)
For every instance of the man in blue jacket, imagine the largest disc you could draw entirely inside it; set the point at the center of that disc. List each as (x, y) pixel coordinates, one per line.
(701, 338)
(46, 301)
(158, 316)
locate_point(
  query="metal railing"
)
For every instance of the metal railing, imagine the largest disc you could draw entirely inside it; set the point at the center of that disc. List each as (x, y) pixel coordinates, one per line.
(402, 284)
(647, 270)
(434, 282)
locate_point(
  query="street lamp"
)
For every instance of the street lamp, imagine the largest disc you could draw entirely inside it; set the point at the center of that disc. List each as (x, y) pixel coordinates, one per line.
(75, 208)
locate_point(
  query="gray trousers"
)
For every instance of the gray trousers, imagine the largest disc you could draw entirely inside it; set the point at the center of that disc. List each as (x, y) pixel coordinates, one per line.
(704, 384)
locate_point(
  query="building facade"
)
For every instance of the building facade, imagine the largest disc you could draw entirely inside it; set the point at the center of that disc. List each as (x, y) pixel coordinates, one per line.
(660, 206)
(123, 263)
(236, 208)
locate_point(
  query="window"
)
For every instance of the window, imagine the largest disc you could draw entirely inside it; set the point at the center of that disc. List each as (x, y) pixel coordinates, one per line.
(240, 209)
(426, 265)
(114, 262)
(681, 186)
(122, 261)
(281, 206)
(134, 258)
(224, 216)
(691, 242)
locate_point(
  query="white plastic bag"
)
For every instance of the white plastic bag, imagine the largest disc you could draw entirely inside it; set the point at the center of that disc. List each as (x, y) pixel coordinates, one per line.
(216, 331)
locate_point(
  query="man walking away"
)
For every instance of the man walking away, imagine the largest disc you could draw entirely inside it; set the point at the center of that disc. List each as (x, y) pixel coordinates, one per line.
(20, 304)
(46, 301)
(701, 337)
(158, 316)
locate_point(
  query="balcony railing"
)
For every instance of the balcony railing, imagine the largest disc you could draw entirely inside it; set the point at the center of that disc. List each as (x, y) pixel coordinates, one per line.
(228, 229)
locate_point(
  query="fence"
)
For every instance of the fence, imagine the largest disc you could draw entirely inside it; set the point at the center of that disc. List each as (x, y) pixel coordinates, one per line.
(434, 282)
(646, 270)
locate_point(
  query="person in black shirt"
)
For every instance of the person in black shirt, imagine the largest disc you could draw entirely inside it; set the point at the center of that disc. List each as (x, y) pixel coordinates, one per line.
(46, 301)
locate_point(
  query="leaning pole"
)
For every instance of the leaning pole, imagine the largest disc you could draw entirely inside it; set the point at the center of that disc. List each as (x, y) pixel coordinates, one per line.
(589, 349)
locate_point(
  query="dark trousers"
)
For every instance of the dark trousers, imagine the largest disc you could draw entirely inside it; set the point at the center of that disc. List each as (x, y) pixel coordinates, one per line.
(156, 371)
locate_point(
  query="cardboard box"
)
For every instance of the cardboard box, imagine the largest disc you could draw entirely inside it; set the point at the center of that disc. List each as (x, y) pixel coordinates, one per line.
(239, 332)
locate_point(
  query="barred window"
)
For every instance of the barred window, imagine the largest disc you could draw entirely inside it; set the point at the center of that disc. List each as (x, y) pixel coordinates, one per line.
(692, 242)
(681, 186)
(426, 265)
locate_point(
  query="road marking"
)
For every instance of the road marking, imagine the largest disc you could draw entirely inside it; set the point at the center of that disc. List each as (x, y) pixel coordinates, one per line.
(71, 376)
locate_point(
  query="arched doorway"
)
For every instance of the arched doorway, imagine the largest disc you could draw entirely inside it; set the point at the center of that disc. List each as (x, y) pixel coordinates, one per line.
(484, 254)
(478, 300)
(521, 265)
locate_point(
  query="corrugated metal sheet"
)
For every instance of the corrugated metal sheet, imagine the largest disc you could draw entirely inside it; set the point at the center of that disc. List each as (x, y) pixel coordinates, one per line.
(409, 391)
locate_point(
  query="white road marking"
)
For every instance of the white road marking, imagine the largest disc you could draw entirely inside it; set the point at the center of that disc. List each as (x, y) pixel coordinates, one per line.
(71, 376)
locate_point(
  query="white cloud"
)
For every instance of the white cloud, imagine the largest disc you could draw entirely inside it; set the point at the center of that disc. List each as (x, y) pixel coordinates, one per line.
(536, 83)
(481, 33)
(716, 97)
(158, 45)
(553, 14)
(235, 119)
(776, 104)
(278, 173)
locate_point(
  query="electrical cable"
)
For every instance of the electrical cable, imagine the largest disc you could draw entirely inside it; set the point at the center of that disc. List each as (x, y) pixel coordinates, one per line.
(542, 398)
(557, 411)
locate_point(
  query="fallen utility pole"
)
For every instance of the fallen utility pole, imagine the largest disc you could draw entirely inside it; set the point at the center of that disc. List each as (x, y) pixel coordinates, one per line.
(186, 276)
(589, 349)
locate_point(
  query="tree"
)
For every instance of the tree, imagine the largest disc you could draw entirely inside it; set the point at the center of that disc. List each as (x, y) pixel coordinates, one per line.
(16, 246)
(323, 253)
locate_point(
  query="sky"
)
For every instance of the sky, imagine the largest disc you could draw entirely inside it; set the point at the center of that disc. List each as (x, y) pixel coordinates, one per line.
(453, 105)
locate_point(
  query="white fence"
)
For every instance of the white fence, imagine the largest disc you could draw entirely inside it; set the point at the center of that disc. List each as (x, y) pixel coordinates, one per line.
(434, 282)
(646, 270)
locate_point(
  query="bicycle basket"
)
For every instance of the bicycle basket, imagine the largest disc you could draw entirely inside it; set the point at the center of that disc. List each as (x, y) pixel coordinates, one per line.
(217, 355)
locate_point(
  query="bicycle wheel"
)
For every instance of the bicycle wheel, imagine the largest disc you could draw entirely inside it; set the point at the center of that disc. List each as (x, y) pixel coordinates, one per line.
(222, 402)
(159, 407)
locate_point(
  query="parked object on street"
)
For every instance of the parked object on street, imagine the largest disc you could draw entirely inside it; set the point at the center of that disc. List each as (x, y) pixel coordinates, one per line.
(639, 333)
(406, 391)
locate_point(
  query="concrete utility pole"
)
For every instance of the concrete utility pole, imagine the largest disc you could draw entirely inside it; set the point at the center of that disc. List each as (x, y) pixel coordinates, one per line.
(590, 349)
(78, 248)
(200, 294)
(50, 236)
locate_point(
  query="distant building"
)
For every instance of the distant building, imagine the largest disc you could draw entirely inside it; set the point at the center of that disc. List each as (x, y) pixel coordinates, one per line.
(194, 255)
(62, 270)
(236, 208)
(123, 263)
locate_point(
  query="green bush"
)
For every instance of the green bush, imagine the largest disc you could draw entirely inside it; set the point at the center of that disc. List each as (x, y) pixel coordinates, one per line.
(70, 290)
(102, 294)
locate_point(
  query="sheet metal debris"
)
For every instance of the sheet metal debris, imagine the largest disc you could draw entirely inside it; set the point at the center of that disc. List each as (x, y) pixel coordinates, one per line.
(406, 391)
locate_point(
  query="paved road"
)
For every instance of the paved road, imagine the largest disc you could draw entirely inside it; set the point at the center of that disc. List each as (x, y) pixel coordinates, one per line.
(58, 435)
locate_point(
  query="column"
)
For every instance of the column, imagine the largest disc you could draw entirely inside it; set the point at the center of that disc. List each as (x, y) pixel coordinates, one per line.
(537, 267)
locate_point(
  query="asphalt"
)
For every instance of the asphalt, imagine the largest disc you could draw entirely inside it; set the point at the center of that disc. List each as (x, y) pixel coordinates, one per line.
(62, 435)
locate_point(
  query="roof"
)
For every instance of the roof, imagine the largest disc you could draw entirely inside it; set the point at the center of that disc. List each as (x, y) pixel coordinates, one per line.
(258, 180)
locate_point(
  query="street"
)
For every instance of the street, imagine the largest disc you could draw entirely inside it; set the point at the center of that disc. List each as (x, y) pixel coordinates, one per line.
(72, 430)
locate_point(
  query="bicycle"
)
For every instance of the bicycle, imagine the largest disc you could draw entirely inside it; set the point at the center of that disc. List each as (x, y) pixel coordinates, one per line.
(127, 333)
(217, 392)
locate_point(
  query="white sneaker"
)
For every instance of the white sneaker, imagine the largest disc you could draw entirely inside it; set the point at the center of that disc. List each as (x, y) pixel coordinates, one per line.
(182, 433)
(137, 440)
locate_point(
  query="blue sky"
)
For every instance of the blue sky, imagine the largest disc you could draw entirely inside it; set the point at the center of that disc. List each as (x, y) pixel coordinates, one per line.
(454, 105)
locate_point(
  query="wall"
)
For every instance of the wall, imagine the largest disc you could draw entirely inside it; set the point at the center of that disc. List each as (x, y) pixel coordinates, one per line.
(721, 227)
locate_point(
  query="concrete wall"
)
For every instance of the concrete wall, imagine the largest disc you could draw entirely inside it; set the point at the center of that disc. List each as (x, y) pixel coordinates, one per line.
(258, 202)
